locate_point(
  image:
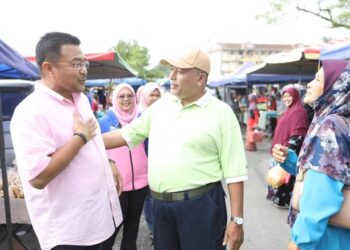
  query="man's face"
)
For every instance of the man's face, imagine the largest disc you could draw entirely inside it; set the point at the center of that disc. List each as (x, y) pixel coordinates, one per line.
(69, 72)
(185, 83)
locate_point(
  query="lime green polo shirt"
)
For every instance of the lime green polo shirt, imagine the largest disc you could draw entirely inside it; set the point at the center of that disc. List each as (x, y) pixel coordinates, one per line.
(189, 146)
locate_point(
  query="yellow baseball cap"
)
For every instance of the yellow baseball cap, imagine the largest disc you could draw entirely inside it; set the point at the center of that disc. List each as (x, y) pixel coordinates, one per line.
(190, 58)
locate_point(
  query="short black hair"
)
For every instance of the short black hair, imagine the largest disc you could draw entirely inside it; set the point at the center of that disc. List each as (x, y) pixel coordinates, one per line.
(49, 46)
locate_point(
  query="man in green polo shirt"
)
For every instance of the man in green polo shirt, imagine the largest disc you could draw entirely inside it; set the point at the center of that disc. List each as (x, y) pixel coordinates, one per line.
(194, 142)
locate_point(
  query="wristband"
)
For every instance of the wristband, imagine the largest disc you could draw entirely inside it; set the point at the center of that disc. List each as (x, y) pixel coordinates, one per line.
(82, 136)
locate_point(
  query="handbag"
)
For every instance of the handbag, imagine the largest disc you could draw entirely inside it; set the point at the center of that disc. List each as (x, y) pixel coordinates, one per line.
(340, 219)
(258, 136)
(276, 176)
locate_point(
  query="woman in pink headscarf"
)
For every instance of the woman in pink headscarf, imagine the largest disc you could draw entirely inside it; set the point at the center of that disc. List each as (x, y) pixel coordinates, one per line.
(131, 163)
(147, 95)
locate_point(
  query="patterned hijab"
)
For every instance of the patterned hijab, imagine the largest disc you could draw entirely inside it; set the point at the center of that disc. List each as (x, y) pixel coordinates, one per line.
(124, 117)
(326, 147)
(293, 122)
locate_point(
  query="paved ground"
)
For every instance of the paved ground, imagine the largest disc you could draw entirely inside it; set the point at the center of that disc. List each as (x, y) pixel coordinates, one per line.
(265, 227)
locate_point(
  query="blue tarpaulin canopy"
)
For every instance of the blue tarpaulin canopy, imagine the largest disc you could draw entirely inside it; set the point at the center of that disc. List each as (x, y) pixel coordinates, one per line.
(238, 78)
(275, 78)
(339, 51)
(15, 66)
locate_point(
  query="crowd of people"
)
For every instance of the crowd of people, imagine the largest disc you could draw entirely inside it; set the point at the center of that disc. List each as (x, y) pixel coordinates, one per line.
(169, 155)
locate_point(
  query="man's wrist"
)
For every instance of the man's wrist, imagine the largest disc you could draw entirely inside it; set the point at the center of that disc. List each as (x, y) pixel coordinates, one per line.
(82, 136)
(237, 220)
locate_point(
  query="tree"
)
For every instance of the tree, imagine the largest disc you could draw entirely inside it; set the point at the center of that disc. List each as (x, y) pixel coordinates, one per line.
(138, 58)
(158, 72)
(336, 12)
(134, 54)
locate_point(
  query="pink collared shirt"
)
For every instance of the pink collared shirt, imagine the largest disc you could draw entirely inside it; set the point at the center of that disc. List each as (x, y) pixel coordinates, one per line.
(78, 206)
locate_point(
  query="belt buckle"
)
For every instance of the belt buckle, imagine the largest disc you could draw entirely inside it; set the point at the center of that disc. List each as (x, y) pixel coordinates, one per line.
(167, 196)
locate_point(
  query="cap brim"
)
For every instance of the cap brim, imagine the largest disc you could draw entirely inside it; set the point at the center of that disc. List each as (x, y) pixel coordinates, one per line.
(176, 63)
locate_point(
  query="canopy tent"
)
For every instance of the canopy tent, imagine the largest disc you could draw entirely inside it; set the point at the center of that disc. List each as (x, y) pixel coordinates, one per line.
(15, 66)
(339, 51)
(241, 78)
(299, 62)
(277, 78)
(238, 78)
(108, 65)
(164, 82)
(105, 65)
(12, 66)
(133, 81)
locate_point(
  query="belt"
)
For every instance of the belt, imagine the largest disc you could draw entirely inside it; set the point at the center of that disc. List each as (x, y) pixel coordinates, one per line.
(182, 195)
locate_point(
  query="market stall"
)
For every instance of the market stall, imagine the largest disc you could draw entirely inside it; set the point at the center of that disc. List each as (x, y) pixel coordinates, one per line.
(108, 65)
(12, 66)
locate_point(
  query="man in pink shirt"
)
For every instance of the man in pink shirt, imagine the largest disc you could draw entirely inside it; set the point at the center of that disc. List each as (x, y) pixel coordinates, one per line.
(68, 184)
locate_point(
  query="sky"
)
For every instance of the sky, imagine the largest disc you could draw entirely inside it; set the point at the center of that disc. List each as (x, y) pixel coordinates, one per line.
(162, 26)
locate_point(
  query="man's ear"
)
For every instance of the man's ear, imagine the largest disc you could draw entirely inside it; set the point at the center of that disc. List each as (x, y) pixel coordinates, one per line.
(202, 79)
(47, 68)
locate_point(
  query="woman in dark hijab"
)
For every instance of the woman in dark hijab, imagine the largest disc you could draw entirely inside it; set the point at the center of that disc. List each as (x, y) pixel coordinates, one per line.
(290, 132)
(325, 161)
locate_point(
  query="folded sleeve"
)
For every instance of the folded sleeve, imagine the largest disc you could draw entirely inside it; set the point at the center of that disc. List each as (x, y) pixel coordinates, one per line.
(231, 151)
(33, 143)
(290, 164)
(138, 130)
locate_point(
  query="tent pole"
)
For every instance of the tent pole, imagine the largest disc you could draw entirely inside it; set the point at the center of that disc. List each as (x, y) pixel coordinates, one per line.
(247, 87)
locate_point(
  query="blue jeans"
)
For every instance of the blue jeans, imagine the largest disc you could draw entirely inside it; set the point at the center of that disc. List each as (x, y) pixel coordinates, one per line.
(148, 211)
(197, 223)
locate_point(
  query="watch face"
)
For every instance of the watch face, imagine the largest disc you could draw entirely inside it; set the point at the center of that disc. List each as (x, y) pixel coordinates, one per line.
(238, 220)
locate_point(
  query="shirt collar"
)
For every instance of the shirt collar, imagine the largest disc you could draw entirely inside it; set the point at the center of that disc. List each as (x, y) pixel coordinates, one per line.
(201, 102)
(40, 86)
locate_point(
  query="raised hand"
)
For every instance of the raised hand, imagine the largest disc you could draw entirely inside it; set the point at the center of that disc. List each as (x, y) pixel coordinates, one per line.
(87, 128)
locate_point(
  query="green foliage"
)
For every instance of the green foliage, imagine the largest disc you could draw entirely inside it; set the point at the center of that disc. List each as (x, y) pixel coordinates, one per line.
(138, 58)
(134, 54)
(336, 12)
(158, 72)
